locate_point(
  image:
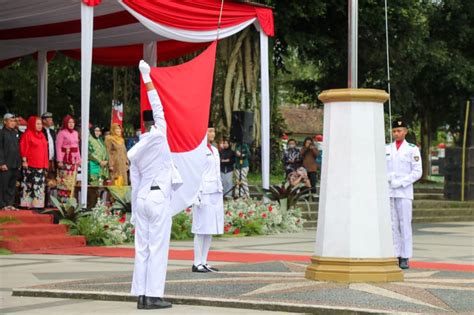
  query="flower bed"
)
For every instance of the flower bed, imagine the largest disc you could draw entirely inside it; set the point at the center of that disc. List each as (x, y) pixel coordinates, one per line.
(105, 226)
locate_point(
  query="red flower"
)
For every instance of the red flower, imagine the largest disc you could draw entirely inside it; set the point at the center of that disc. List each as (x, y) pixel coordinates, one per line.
(264, 215)
(270, 208)
(133, 231)
(228, 213)
(123, 218)
(226, 228)
(236, 231)
(241, 214)
(188, 210)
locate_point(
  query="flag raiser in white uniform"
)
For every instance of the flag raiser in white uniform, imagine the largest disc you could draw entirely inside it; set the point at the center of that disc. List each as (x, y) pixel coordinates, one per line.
(404, 169)
(152, 165)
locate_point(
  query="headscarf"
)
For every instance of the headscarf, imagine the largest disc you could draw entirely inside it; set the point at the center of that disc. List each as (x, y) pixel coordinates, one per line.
(114, 137)
(92, 131)
(31, 129)
(66, 123)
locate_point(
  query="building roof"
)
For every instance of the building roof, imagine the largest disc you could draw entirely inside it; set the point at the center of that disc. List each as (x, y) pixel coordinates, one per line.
(301, 120)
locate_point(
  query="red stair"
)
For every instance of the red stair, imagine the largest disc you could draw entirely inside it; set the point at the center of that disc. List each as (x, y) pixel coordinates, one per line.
(35, 232)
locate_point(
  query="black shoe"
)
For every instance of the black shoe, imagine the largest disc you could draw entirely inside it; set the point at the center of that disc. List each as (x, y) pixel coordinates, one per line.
(404, 263)
(151, 303)
(209, 268)
(199, 268)
(141, 302)
(399, 261)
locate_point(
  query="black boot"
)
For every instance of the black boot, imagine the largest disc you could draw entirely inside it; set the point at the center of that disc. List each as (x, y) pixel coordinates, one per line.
(141, 302)
(404, 263)
(399, 261)
(152, 303)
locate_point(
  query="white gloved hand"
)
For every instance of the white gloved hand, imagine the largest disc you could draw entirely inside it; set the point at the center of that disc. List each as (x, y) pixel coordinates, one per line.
(394, 183)
(145, 71)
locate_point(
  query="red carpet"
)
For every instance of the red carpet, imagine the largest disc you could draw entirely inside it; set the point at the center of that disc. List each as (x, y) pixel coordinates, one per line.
(177, 254)
(35, 231)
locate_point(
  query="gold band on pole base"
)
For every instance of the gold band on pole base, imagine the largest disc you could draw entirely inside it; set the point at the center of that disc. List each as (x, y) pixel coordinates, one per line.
(354, 270)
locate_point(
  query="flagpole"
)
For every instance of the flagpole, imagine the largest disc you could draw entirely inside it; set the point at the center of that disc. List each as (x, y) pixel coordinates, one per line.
(352, 44)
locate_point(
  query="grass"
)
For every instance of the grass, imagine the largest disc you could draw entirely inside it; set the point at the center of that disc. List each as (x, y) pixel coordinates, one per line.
(256, 179)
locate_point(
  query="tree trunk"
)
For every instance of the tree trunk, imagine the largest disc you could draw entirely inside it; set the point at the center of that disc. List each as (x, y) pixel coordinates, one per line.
(231, 71)
(425, 143)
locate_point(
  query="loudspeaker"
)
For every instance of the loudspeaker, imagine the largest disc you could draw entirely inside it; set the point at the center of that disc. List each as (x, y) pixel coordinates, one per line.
(241, 130)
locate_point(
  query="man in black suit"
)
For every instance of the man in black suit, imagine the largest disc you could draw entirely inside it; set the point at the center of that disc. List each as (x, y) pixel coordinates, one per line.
(50, 136)
(10, 162)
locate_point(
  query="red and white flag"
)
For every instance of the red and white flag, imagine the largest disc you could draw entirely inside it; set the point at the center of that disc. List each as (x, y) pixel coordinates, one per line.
(117, 112)
(185, 92)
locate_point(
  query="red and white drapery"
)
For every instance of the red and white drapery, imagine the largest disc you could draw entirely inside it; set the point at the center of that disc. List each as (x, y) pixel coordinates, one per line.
(54, 25)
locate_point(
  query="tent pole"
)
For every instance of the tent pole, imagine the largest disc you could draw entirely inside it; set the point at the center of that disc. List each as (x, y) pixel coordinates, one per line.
(265, 109)
(149, 53)
(42, 82)
(87, 20)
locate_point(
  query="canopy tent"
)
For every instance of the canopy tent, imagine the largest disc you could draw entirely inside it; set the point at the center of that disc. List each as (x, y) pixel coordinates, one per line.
(89, 26)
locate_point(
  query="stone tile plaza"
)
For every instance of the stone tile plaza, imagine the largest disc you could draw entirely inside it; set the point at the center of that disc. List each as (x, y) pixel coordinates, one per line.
(441, 280)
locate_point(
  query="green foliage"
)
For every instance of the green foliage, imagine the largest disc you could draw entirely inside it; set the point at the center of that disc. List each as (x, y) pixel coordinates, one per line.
(122, 196)
(286, 195)
(69, 210)
(92, 230)
(181, 227)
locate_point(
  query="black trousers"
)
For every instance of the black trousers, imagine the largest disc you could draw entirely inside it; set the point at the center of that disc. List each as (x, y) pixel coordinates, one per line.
(7, 188)
(312, 179)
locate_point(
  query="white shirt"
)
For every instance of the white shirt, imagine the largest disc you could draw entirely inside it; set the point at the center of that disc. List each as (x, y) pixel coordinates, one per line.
(211, 179)
(50, 145)
(403, 165)
(151, 162)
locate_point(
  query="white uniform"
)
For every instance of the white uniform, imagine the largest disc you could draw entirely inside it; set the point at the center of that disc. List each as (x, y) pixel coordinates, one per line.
(208, 215)
(404, 169)
(151, 165)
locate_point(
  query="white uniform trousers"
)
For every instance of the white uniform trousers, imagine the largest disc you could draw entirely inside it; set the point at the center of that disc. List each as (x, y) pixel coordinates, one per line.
(152, 240)
(401, 209)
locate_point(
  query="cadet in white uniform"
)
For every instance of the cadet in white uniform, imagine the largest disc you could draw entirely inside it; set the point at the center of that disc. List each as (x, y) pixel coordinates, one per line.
(208, 212)
(404, 169)
(153, 177)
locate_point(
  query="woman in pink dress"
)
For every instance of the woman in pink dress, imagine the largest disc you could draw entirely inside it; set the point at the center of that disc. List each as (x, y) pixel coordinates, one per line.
(68, 157)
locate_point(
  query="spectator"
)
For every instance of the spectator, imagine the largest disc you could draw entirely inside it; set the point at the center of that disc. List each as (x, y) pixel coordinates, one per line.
(118, 161)
(10, 161)
(308, 155)
(50, 135)
(98, 158)
(34, 154)
(291, 157)
(68, 158)
(299, 176)
(133, 139)
(241, 169)
(227, 167)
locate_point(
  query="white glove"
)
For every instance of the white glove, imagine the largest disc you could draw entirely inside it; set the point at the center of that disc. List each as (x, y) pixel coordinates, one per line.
(145, 71)
(394, 183)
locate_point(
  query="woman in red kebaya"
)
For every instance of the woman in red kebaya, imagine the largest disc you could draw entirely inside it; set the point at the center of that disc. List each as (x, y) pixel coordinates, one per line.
(34, 154)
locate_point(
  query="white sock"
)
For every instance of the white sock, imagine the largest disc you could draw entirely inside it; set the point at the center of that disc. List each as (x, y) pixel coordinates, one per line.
(198, 246)
(205, 248)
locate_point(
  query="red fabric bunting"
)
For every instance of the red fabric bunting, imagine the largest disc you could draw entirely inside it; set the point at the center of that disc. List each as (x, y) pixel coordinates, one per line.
(201, 15)
(92, 3)
(185, 91)
(130, 55)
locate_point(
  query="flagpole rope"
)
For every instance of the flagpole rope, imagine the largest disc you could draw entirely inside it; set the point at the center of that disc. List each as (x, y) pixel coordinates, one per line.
(388, 71)
(219, 21)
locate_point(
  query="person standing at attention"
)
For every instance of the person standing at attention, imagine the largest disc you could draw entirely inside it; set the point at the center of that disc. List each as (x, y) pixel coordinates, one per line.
(403, 169)
(208, 212)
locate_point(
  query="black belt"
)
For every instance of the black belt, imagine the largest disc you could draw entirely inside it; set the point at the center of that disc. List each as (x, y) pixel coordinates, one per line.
(155, 188)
